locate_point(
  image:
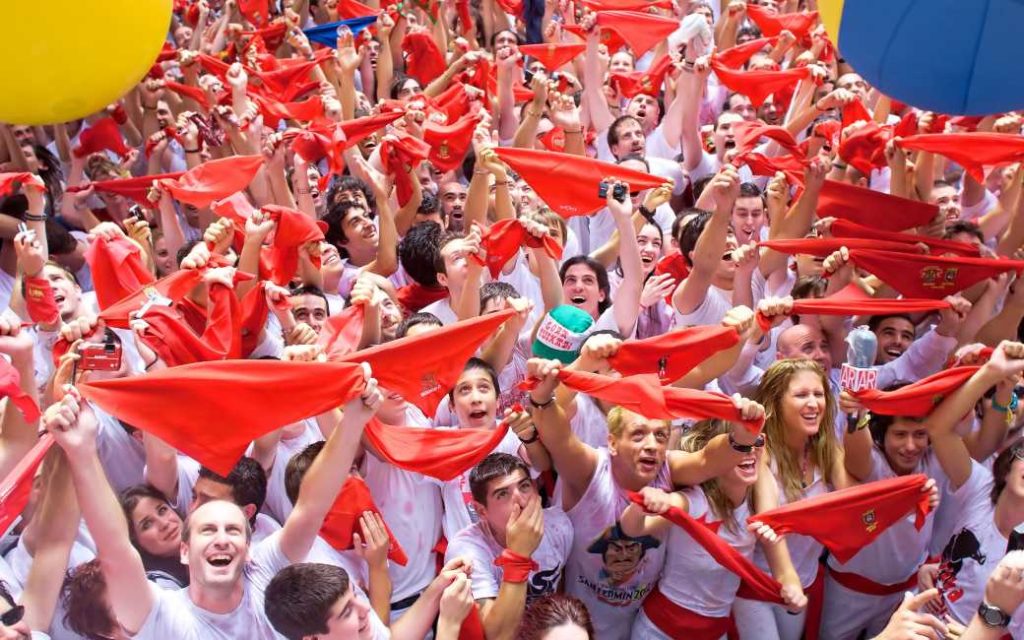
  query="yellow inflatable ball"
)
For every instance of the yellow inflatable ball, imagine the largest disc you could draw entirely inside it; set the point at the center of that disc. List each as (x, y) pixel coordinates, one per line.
(65, 59)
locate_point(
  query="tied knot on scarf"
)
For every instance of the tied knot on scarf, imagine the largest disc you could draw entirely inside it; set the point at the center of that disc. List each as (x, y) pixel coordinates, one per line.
(515, 568)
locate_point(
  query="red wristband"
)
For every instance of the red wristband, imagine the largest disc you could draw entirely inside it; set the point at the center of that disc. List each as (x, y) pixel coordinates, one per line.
(515, 568)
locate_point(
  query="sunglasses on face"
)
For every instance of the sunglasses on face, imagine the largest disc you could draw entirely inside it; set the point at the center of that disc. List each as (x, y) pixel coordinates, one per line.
(1018, 452)
(13, 615)
(760, 441)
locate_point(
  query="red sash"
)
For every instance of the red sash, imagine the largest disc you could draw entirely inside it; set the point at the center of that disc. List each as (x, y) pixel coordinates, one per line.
(815, 604)
(679, 623)
(860, 584)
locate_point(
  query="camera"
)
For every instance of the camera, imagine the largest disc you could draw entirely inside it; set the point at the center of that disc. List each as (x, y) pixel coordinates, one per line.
(618, 191)
(105, 356)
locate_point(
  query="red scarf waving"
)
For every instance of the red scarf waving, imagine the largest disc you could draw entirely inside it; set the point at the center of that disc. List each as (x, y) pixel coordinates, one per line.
(758, 85)
(754, 583)
(134, 189)
(872, 208)
(400, 153)
(915, 400)
(10, 387)
(117, 269)
(16, 487)
(213, 180)
(918, 276)
(212, 411)
(421, 372)
(444, 454)
(674, 354)
(503, 239)
(972, 151)
(848, 520)
(847, 229)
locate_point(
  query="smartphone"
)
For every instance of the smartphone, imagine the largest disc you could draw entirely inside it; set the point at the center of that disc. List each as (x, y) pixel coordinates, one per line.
(100, 357)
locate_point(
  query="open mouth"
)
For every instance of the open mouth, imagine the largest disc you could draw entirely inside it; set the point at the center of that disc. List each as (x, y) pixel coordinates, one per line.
(477, 415)
(59, 299)
(893, 353)
(810, 417)
(578, 299)
(647, 464)
(646, 259)
(219, 560)
(729, 143)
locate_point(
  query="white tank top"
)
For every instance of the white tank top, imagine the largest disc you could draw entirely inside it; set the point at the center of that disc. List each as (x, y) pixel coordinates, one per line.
(610, 572)
(804, 551)
(691, 577)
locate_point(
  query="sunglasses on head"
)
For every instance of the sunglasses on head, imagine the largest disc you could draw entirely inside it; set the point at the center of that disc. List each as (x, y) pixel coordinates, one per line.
(13, 615)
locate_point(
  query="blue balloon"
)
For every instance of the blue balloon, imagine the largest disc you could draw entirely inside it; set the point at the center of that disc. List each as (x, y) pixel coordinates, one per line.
(951, 56)
(327, 34)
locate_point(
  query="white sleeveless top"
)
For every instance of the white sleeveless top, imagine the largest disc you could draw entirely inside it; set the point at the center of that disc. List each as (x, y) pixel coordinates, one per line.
(692, 578)
(804, 551)
(610, 572)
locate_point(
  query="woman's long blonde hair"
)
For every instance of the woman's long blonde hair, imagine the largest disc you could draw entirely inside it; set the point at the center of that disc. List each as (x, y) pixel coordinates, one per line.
(823, 445)
(697, 439)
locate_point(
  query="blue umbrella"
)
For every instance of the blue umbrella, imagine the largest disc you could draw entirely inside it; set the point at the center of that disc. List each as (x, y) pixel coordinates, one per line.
(951, 56)
(327, 34)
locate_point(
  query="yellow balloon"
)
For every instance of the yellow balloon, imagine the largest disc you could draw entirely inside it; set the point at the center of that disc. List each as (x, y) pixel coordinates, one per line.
(831, 12)
(65, 59)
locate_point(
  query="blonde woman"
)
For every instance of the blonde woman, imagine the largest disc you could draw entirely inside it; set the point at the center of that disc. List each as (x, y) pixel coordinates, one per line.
(696, 593)
(802, 459)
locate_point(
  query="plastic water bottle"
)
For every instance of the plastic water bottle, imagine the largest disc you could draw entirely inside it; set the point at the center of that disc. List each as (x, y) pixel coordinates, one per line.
(858, 372)
(862, 347)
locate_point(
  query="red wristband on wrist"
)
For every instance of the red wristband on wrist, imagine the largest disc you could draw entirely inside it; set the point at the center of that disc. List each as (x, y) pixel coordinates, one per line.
(515, 568)
(39, 300)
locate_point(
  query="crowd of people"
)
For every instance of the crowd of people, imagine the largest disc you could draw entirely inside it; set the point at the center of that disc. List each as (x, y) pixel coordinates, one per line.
(502, 319)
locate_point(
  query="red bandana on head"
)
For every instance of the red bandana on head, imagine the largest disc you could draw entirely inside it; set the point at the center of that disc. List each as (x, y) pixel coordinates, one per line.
(213, 180)
(846, 229)
(641, 31)
(503, 239)
(569, 184)
(972, 151)
(212, 411)
(673, 354)
(754, 583)
(553, 56)
(423, 374)
(758, 85)
(918, 276)
(343, 519)
(848, 520)
(915, 400)
(16, 487)
(872, 208)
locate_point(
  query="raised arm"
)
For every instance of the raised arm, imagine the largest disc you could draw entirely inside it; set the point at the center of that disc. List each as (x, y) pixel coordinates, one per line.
(575, 461)
(707, 253)
(327, 474)
(74, 426)
(627, 298)
(949, 448)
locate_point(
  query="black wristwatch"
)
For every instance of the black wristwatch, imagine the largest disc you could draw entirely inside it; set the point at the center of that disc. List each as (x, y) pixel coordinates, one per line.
(993, 616)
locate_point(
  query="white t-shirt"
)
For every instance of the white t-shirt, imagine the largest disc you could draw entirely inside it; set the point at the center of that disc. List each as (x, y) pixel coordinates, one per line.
(123, 457)
(975, 548)
(174, 615)
(589, 423)
(804, 551)
(477, 543)
(410, 504)
(716, 303)
(692, 578)
(443, 310)
(900, 550)
(613, 594)
(277, 505)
